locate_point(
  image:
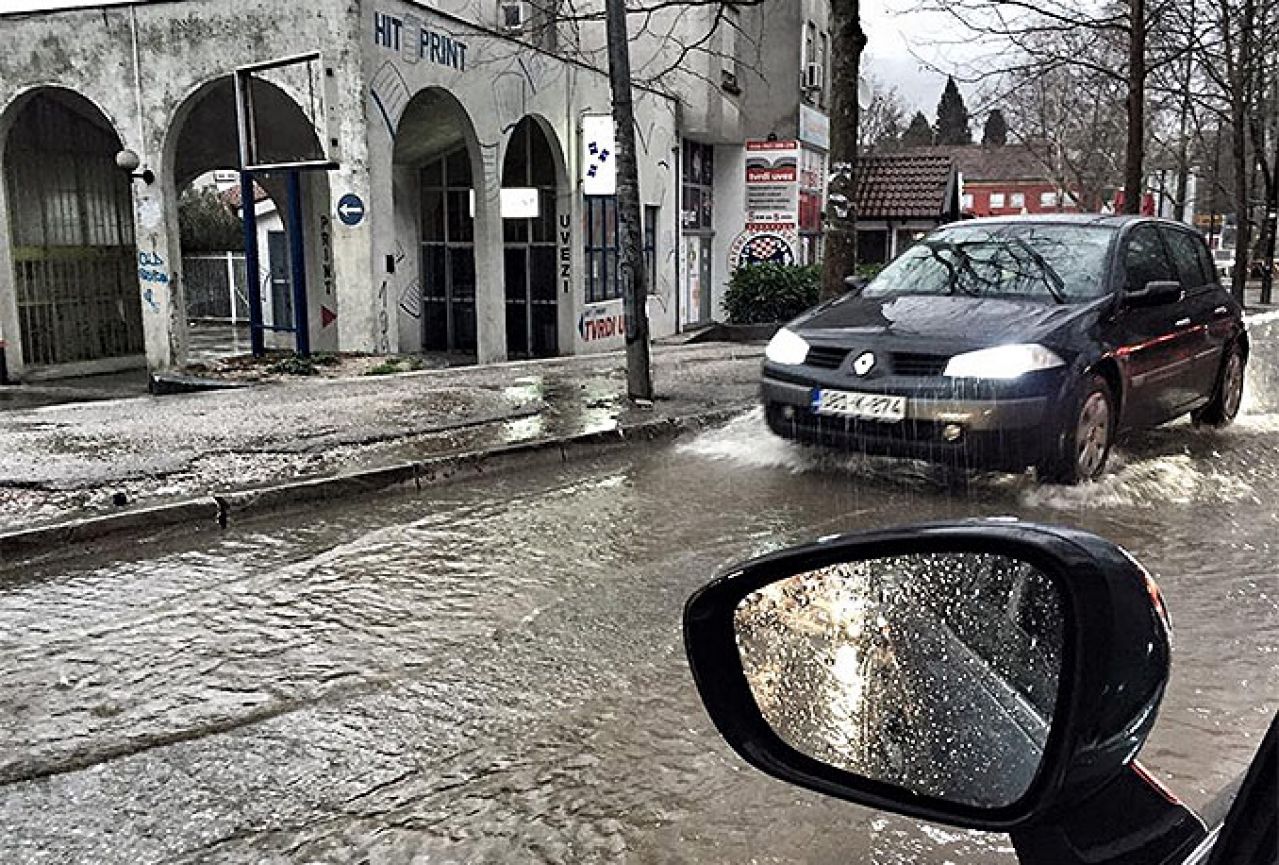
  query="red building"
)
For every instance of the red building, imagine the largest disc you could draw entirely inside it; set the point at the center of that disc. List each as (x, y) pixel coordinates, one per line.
(1004, 181)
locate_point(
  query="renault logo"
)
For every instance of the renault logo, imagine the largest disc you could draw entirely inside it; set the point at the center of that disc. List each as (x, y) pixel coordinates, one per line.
(865, 363)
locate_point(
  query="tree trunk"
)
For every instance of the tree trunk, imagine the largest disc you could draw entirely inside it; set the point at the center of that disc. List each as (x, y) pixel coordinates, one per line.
(1240, 86)
(639, 375)
(848, 40)
(1135, 151)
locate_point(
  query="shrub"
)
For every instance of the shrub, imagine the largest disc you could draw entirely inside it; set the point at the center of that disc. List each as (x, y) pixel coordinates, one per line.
(293, 365)
(766, 293)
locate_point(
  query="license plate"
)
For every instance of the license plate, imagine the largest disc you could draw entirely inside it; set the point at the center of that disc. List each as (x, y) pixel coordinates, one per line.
(869, 406)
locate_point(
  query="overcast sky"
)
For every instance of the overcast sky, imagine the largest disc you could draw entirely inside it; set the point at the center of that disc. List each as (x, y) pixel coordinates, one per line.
(898, 40)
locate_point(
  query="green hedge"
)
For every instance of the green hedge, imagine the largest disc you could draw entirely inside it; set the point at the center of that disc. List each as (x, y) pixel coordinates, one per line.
(766, 293)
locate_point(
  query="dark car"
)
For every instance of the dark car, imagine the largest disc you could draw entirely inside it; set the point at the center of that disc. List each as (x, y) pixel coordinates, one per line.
(1008, 343)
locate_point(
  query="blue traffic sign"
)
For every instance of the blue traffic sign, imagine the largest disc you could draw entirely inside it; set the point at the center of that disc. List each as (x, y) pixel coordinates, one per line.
(351, 209)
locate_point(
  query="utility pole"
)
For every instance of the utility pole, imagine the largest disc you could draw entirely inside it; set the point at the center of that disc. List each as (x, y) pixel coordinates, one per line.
(639, 374)
(848, 40)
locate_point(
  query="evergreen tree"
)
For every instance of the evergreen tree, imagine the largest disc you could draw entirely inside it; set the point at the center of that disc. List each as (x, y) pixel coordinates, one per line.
(919, 133)
(995, 132)
(952, 117)
(206, 223)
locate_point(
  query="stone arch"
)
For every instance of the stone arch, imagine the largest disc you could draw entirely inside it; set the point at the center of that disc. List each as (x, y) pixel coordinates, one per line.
(534, 160)
(202, 136)
(437, 173)
(69, 298)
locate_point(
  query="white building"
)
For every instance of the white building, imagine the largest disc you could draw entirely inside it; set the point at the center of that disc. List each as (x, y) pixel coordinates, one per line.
(436, 118)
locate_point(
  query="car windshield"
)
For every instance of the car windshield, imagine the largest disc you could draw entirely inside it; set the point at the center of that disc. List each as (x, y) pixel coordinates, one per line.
(1059, 263)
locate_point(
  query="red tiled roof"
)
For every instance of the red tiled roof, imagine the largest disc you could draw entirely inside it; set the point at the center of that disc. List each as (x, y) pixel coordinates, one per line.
(232, 196)
(904, 186)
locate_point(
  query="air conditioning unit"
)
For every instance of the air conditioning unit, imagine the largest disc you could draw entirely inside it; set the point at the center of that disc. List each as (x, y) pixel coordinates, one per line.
(512, 15)
(814, 77)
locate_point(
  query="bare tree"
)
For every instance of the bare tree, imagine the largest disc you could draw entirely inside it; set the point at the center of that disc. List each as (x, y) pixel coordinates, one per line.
(1033, 38)
(673, 46)
(883, 121)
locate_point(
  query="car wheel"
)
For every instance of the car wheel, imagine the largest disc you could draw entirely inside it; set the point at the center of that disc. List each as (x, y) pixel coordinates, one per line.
(1086, 439)
(1224, 407)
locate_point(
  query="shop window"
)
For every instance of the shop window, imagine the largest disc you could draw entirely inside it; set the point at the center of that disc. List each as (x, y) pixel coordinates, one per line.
(1048, 199)
(1018, 200)
(699, 187)
(652, 218)
(603, 282)
(966, 201)
(996, 199)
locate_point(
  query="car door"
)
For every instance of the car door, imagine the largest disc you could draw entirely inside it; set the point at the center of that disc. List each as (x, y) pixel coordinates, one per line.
(1151, 340)
(1207, 307)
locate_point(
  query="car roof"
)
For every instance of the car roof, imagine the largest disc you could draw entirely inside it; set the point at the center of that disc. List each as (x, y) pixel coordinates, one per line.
(1103, 220)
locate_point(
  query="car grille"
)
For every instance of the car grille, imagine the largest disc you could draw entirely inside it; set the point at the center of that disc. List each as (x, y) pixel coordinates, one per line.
(919, 365)
(826, 357)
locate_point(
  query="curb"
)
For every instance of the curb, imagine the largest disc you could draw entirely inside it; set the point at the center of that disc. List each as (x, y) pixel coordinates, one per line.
(219, 510)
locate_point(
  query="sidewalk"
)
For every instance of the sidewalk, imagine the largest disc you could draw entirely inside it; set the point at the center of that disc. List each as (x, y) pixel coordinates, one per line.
(65, 462)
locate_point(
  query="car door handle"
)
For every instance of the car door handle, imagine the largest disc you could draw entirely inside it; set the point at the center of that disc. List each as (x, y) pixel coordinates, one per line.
(1182, 322)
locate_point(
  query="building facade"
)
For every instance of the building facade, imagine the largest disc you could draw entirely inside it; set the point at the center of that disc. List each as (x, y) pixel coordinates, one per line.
(444, 169)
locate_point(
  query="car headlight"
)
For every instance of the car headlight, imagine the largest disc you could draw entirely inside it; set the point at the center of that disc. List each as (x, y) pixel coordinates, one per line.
(787, 348)
(1003, 362)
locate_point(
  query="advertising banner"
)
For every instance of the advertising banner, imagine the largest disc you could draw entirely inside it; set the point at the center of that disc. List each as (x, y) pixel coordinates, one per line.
(772, 182)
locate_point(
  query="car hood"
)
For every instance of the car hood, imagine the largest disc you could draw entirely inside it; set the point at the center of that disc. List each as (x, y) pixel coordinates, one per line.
(942, 319)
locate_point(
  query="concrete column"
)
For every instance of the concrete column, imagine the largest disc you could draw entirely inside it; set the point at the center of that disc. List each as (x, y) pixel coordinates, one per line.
(164, 319)
(407, 237)
(10, 334)
(490, 263)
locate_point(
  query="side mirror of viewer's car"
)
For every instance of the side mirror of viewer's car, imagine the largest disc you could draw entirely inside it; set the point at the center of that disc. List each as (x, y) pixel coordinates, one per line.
(990, 675)
(856, 284)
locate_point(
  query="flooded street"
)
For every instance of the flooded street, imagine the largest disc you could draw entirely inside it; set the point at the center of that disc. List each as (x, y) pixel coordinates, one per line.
(493, 672)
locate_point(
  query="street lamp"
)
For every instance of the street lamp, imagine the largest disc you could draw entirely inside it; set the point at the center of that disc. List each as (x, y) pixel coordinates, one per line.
(129, 161)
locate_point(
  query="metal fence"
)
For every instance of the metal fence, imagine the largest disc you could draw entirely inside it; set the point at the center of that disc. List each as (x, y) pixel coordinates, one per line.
(216, 286)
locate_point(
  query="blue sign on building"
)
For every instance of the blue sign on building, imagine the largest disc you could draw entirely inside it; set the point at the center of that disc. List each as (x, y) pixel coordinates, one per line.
(351, 209)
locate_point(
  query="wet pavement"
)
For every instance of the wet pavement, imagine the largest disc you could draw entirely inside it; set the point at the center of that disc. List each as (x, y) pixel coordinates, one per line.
(66, 461)
(493, 672)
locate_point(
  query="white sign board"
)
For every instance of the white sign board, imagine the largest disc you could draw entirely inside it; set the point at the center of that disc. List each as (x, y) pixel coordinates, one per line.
(599, 156)
(518, 202)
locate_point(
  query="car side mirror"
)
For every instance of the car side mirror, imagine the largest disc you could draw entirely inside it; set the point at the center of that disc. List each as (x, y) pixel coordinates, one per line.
(1155, 293)
(856, 284)
(983, 674)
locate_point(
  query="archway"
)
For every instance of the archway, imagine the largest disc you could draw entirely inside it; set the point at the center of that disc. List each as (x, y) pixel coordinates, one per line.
(70, 212)
(435, 166)
(202, 151)
(532, 175)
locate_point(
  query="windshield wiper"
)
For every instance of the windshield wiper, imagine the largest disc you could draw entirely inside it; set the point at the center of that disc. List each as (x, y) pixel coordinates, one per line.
(1056, 285)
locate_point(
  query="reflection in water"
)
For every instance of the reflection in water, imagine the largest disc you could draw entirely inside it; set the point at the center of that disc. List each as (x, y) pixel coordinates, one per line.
(938, 673)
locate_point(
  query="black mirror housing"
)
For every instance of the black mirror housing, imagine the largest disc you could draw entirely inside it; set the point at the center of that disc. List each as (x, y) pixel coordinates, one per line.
(856, 283)
(1155, 293)
(1115, 665)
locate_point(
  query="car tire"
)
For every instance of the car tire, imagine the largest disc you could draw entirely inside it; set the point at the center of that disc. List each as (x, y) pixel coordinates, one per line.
(1086, 438)
(1222, 410)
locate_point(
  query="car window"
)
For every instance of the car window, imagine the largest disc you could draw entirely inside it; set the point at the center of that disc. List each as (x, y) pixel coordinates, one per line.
(1185, 258)
(1028, 259)
(1205, 261)
(1146, 260)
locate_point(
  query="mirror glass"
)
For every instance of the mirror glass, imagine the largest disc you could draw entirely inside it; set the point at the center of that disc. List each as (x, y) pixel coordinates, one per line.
(937, 673)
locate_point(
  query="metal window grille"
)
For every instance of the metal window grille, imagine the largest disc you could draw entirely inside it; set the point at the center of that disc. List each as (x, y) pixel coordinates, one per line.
(603, 280)
(75, 264)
